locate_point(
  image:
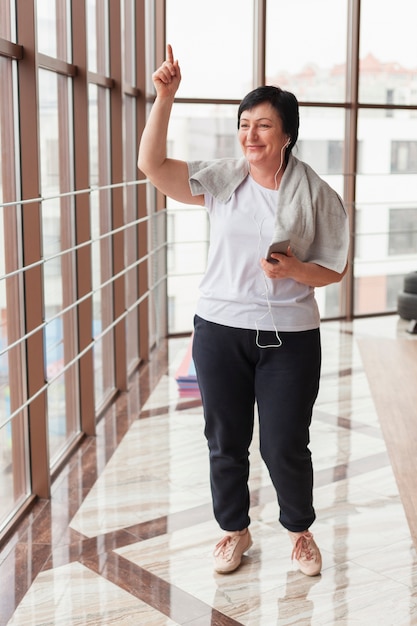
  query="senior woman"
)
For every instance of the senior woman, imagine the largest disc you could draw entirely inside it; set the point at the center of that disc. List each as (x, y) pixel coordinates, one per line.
(256, 328)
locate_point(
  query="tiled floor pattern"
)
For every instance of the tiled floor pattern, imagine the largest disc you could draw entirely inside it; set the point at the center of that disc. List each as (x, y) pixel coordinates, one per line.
(128, 535)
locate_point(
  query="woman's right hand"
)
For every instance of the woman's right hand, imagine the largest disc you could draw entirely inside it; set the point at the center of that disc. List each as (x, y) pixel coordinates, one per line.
(167, 77)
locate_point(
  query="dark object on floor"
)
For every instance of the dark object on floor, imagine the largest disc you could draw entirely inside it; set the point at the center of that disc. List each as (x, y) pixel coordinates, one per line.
(407, 299)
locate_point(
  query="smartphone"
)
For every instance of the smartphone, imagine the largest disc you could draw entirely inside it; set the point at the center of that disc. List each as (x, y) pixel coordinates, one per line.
(277, 246)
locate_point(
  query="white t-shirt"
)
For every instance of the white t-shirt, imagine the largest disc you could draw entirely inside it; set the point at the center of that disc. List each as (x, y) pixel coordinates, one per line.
(235, 291)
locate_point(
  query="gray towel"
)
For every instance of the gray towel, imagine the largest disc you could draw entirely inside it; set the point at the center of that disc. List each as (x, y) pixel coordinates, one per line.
(219, 178)
(309, 212)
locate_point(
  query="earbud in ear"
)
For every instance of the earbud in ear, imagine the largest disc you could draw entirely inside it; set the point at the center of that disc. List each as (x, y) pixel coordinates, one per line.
(288, 142)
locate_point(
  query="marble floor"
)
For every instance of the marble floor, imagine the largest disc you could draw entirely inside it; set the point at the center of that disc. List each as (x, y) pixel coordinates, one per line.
(128, 534)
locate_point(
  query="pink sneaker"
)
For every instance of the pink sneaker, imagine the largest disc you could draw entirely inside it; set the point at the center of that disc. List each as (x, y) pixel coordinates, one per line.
(229, 551)
(306, 553)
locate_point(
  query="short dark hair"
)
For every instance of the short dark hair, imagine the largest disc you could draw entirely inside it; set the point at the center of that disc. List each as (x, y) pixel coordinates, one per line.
(284, 102)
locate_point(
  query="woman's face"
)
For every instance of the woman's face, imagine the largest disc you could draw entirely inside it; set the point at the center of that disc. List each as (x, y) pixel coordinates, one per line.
(261, 135)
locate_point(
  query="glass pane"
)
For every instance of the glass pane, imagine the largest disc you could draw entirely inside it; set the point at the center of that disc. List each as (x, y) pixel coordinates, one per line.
(195, 132)
(304, 54)
(188, 240)
(97, 36)
(91, 35)
(213, 42)
(60, 334)
(388, 52)
(321, 145)
(46, 23)
(53, 28)
(102, 298)
(7, 20)
(386, 222)
(14, 478)
(203, 131)
(14, 454)
(131, 239)
(100, 203)
(128, 41)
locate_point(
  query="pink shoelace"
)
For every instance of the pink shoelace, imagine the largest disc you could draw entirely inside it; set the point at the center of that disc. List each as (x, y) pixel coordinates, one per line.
(226, 546)
(302, 548)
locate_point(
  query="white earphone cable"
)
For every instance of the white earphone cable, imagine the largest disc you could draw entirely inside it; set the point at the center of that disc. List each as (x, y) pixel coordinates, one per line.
(266, 292)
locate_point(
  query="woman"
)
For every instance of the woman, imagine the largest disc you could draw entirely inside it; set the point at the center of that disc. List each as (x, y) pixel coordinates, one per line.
(256, 329)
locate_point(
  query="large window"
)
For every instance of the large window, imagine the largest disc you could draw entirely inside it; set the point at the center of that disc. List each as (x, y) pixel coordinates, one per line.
(366, 153)
(83, 242)
(70, 198)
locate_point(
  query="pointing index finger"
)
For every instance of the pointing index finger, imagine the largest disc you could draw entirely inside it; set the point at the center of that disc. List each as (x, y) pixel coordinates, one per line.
(170, 54)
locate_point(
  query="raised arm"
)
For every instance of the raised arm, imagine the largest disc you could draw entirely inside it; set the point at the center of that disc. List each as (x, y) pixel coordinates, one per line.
(170, 176)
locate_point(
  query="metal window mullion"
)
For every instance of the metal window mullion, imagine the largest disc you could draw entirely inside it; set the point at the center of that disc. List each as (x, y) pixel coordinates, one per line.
(159, 53)
(351, 116)
(10, 49)
(74, 192)
(32, 248)
(259, 42)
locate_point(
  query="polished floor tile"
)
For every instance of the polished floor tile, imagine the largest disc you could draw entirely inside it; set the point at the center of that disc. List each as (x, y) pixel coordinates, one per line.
(73, 594)
(127, 537)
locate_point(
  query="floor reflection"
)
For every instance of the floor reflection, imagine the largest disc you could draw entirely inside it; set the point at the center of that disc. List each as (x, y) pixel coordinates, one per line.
(128, 535)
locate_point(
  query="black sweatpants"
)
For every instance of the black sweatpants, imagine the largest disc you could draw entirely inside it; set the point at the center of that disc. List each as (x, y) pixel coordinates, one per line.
(233, 373)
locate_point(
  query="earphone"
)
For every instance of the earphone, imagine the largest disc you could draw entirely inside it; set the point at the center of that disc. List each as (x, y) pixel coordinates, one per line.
(282, 160)
(268, 302)
(270, 313)
(266, 293)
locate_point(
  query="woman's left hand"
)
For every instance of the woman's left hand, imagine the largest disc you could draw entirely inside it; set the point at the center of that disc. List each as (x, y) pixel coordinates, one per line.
(289, 266)
(285, 268)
